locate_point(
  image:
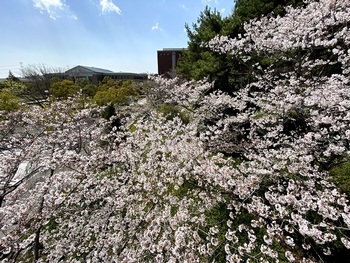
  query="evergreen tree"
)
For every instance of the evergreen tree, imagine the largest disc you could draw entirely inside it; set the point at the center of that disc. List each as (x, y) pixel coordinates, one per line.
(12, 77)
(199, 62)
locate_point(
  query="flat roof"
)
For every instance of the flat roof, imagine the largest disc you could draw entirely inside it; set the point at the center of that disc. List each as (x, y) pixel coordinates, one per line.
(173, 49)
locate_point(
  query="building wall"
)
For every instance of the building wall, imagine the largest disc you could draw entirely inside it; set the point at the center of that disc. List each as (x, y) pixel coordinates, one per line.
(95, 75)
(167, 60)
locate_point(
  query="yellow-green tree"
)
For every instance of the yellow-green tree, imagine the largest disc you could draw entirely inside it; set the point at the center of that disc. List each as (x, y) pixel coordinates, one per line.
(87, 88)
(64, 89)
(115, 92)
(8, 102)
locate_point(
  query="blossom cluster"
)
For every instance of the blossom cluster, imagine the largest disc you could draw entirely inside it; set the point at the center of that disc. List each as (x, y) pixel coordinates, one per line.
(245, 180)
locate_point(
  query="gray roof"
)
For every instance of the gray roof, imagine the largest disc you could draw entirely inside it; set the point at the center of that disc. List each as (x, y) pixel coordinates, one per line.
(98, 70)
(89, 69)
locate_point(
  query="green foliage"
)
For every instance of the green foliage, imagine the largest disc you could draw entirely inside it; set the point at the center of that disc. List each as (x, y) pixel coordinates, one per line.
(86, 87)
(182, 190)
(115, 92)
(217, 217)
(295, 120)
(198, 61)
(171, 111)
(89, 90)
(82, 82)
(341, 177)
(12, 77)
(51, 224)
(246, 10)
(64, 89)
(125, 93)
(258, 115)
(108, 112)
(8, 102)
(132, 128)
(55, 79)
(105, 97)
(12, 84)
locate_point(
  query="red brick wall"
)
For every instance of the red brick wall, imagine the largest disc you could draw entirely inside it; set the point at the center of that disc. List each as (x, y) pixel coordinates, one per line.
(165, 61)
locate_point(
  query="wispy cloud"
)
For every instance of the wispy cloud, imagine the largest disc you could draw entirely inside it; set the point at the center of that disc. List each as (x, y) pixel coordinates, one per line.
(108, 6)
(156, 27)
(208, 2)
(54, 8)
(49, 6)
(184, 7)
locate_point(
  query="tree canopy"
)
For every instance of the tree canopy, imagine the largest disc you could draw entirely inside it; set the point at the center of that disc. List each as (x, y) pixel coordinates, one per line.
(199, 62)
(115, 92)
(64, 89)
(35, 82)
(8, 102)
(258, 174)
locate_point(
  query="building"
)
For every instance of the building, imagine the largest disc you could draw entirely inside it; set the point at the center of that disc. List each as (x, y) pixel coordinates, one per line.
(86, 72)
(95, 75)
(167, 60)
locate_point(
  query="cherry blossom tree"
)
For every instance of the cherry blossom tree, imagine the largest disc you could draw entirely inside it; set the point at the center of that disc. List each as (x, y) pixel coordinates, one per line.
(244, 179)
(32, 140)
(298, 129)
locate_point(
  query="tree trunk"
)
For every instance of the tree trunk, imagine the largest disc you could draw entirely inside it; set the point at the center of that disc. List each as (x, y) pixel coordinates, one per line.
(37, 244)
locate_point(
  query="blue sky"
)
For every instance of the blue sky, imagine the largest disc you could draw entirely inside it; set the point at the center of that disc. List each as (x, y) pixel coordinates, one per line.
(119, 35)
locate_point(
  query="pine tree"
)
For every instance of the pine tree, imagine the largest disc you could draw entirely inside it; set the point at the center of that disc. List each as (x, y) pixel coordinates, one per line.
(199, 62)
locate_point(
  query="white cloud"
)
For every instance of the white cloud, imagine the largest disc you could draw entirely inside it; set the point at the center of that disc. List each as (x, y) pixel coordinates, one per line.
(55, 8)
(184, 7)
(108, 6)
(207, 2)
(156, 27)
(49, 6)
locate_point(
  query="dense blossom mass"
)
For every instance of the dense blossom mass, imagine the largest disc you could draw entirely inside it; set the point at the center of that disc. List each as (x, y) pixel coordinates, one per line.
(242, 177)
